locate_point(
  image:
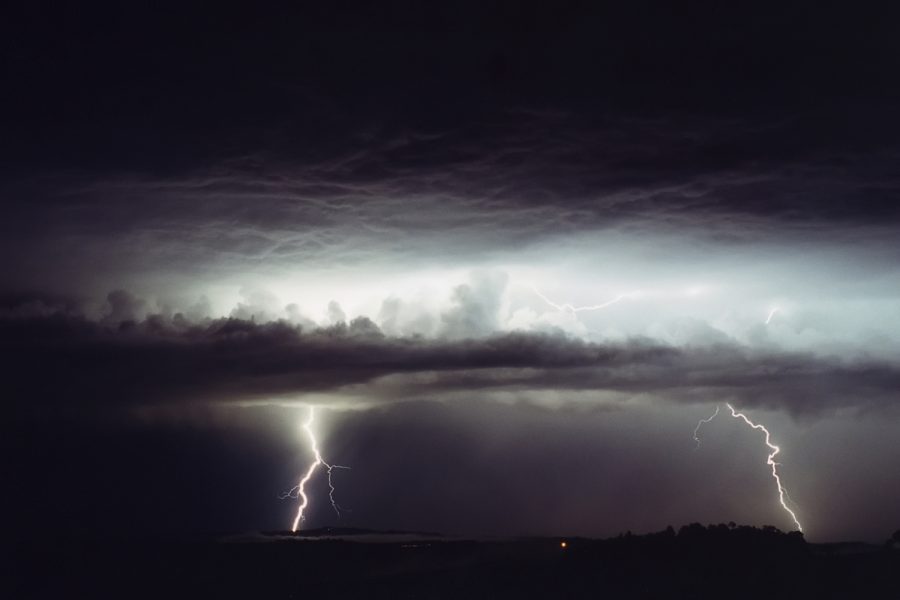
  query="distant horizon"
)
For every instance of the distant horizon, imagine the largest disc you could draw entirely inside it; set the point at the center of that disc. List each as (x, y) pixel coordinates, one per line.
(374, 536)
(356, 533)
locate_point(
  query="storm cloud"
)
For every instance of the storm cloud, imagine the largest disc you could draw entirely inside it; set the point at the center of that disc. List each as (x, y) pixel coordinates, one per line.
(72, 364)
(513, 253)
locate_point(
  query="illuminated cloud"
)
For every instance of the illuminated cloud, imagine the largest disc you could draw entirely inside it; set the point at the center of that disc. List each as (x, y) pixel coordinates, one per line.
(197, 238)
(163, 360)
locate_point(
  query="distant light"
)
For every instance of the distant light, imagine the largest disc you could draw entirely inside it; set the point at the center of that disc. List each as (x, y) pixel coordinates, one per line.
(563, 545)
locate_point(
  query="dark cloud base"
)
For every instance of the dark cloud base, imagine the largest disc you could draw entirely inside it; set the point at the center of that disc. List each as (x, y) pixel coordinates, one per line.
(64, 362)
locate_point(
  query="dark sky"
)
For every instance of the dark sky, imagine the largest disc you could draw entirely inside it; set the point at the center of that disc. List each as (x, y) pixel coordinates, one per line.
(512, 252)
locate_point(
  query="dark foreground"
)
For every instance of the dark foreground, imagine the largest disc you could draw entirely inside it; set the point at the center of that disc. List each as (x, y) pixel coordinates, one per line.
(697, 562)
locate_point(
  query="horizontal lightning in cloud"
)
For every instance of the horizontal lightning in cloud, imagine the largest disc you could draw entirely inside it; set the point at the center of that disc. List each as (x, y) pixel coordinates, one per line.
(566, 307)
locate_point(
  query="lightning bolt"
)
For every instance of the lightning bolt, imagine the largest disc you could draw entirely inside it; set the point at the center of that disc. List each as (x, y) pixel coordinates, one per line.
(700, 424)
(576, 309)
(782, 493)
(783, 497)
(771, 314)
(299, 490)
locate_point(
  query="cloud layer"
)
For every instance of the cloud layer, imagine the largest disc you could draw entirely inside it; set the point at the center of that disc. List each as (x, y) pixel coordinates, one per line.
(68, 363)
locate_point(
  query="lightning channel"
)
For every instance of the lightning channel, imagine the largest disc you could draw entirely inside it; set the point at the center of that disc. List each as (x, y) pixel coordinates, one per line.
(298, 492)
(700, 424)
(774, 450)
(566, 307)
(771, 314)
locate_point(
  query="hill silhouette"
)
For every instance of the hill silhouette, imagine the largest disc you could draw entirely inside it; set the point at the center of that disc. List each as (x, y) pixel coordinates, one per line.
(694, 562)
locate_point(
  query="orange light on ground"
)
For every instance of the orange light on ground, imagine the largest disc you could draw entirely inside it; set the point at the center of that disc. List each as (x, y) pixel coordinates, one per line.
(563, 545)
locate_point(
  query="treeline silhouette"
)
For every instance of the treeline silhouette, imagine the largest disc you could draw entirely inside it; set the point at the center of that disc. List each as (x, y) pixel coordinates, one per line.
(696, 561)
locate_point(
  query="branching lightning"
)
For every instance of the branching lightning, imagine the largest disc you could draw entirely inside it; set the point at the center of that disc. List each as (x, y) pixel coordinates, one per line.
(782, 493)
(783, 497)
(299, 490)
(700, 424)
(575, 309)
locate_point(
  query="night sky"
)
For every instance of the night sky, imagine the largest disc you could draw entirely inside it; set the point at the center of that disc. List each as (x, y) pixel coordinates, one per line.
(215, 218)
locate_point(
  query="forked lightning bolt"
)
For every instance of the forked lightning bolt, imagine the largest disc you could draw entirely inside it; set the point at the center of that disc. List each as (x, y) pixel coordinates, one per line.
(299, 490)
(782, 493)
(783, 497)
(575, 309)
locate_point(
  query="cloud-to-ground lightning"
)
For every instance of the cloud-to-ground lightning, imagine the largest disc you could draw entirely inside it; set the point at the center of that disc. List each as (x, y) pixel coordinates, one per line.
(566, 307)
(783, 497)
(299, 490)
(782, 493)
(700, 424)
